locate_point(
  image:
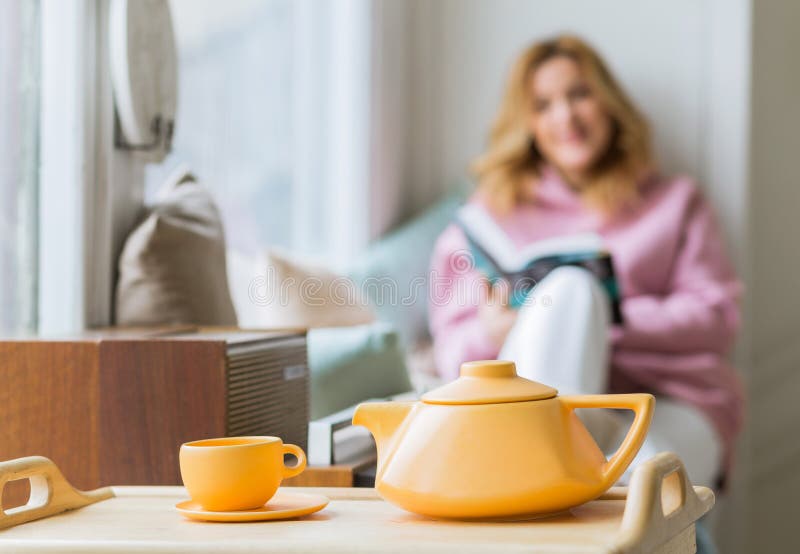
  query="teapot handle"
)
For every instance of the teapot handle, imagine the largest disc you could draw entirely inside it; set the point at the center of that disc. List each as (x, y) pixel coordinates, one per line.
(641, 404)
(50, 493)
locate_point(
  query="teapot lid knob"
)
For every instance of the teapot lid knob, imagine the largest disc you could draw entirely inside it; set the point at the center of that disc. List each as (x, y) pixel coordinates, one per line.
(489, 368)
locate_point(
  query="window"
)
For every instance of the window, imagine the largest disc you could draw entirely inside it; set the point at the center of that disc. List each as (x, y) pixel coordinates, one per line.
(19, 114)
(276, 115)
(273, 117)
(233, 125)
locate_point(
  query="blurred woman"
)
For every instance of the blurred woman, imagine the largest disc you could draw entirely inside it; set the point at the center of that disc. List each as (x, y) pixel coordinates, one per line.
(569, 153)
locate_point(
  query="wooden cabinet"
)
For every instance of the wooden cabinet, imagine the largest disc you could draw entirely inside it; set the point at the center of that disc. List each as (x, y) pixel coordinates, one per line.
(115, 407)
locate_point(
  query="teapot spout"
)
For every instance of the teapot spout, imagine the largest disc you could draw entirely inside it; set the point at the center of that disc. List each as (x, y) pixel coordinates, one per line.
(382, 419)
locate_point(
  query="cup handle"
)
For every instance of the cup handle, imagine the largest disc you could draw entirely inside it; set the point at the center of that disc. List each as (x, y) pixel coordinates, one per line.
(298, 468)
(641, 404)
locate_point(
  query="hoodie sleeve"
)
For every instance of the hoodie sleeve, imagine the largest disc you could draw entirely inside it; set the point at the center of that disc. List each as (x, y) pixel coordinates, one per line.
(455, 286)
(700, 311)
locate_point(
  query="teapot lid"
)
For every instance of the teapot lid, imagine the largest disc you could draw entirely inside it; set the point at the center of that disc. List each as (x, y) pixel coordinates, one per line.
(489, 382)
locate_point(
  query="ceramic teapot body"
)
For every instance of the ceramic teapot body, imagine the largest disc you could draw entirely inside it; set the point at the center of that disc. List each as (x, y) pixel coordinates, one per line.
(506, 459)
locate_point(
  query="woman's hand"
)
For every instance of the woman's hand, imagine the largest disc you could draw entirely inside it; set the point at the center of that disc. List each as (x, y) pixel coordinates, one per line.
(493, 311)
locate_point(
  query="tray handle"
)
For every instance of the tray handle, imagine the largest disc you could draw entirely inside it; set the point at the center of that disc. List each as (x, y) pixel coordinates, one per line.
(51, 493)
(661, 503)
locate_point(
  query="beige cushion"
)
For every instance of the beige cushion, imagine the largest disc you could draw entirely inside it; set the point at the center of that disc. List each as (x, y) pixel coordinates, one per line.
(285, 291)
(172, 267)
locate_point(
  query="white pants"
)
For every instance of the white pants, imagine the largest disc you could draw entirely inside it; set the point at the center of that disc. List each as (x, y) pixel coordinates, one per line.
(560, 339)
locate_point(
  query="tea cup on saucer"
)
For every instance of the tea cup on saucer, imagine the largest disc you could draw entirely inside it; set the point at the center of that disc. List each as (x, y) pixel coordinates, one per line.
(237, 473)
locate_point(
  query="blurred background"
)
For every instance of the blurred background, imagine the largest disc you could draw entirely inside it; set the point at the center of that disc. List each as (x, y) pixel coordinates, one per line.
(319, 126)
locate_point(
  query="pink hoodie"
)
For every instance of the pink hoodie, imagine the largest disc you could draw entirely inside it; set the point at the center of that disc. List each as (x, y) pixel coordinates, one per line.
(679, 294)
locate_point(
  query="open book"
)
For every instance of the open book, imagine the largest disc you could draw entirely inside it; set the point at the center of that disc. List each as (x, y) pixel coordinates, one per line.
(497, 257)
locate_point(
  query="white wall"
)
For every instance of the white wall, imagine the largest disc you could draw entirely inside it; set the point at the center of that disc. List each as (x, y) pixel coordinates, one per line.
(465, 48)
(775, 200)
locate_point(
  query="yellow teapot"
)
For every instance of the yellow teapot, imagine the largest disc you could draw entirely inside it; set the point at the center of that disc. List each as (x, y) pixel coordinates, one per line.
(493, 445)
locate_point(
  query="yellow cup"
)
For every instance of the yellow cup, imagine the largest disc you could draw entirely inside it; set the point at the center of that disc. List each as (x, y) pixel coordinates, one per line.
(236, 473)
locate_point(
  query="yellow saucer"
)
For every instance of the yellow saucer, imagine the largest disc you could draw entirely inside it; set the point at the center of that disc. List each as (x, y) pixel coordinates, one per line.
(284, 505)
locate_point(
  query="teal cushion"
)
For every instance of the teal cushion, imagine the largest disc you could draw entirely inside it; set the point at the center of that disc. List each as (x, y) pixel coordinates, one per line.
(393, 272)
(352, 364)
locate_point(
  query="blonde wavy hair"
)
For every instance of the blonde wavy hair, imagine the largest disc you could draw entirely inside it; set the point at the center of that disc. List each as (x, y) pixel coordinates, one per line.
(512, 157)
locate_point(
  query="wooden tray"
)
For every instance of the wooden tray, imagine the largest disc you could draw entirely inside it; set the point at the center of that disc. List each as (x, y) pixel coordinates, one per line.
(144, 520)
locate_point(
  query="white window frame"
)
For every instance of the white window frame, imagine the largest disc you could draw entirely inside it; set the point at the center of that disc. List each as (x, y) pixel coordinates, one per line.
(90, 193)
(356, 123)
(332, 49)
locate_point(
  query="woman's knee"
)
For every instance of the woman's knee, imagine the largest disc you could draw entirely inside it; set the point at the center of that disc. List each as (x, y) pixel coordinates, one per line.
(569, 302)
(568, 283)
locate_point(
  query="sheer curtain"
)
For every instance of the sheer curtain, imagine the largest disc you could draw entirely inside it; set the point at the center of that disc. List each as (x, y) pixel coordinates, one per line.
(19, 126)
